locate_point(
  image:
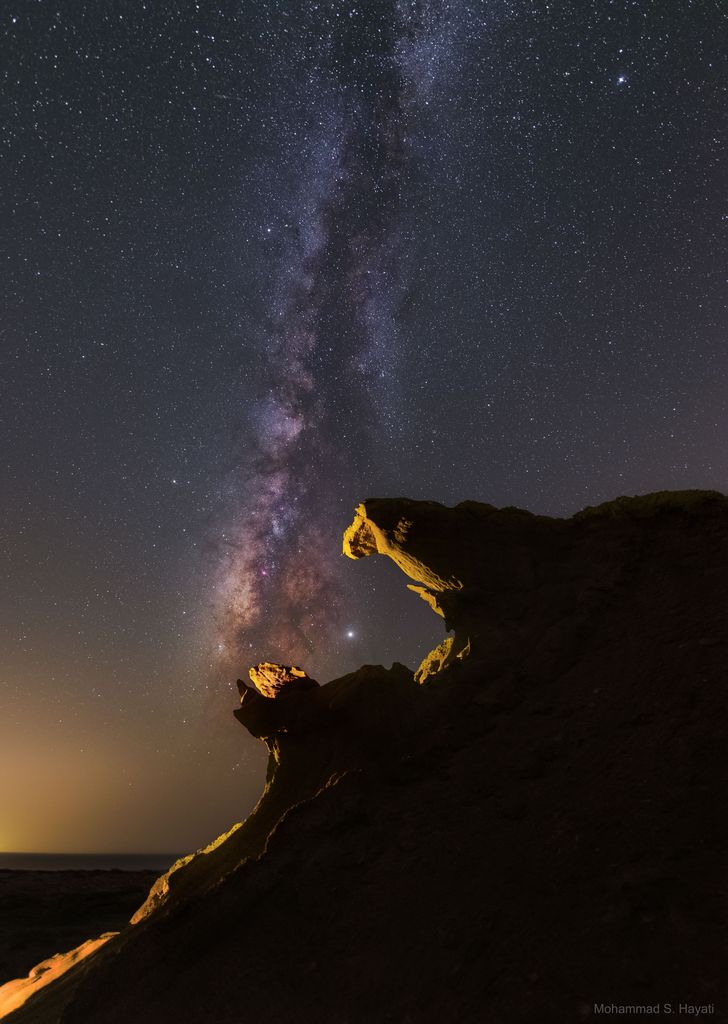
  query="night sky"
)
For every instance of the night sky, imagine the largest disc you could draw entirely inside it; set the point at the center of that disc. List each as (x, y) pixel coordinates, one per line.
(264, 260)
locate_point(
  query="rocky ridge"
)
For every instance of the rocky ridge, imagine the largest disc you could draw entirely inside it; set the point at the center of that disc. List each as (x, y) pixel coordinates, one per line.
(528, 826)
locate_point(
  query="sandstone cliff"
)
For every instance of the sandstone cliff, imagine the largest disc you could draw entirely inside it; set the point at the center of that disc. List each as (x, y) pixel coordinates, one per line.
(531, 824)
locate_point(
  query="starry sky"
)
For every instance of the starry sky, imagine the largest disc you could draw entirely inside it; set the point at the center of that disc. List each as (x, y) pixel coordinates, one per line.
(264, 260)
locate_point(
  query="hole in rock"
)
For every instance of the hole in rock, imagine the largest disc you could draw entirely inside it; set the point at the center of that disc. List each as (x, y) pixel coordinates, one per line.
(394, 624)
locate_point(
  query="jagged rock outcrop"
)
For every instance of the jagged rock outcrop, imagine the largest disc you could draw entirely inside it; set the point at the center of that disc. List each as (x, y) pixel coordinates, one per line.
(272, 680)
(533, 826)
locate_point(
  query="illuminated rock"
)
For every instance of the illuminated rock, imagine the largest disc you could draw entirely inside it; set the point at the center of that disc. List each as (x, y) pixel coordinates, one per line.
(16, 993)
(273, 680)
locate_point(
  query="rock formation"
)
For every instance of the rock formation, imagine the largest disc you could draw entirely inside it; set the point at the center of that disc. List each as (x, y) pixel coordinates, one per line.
(528, 827)
(272, 680)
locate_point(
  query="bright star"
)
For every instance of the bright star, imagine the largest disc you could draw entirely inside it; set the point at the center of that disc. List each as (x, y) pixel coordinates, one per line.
(621, 80)
(350, 634)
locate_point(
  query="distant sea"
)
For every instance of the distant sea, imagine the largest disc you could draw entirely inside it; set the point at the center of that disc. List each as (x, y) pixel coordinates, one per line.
(87, 861)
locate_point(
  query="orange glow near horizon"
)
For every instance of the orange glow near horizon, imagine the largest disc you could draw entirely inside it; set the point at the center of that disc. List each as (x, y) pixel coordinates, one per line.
(85, 779)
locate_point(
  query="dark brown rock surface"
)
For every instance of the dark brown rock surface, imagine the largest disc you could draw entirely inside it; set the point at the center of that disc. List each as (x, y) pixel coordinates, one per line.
(536, 828)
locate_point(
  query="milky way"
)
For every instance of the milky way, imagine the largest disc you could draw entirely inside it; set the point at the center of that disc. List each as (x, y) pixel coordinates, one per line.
(264, 259)
(330, 377)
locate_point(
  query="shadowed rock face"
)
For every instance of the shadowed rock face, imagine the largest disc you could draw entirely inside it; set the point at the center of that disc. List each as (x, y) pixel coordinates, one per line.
(533, 825)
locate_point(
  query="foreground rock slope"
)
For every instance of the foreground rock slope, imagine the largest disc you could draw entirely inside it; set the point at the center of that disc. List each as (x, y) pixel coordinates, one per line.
(532, 824)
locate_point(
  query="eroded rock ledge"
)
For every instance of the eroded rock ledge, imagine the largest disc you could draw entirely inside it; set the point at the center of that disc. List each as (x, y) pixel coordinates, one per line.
(511, 585)
(532, 824)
